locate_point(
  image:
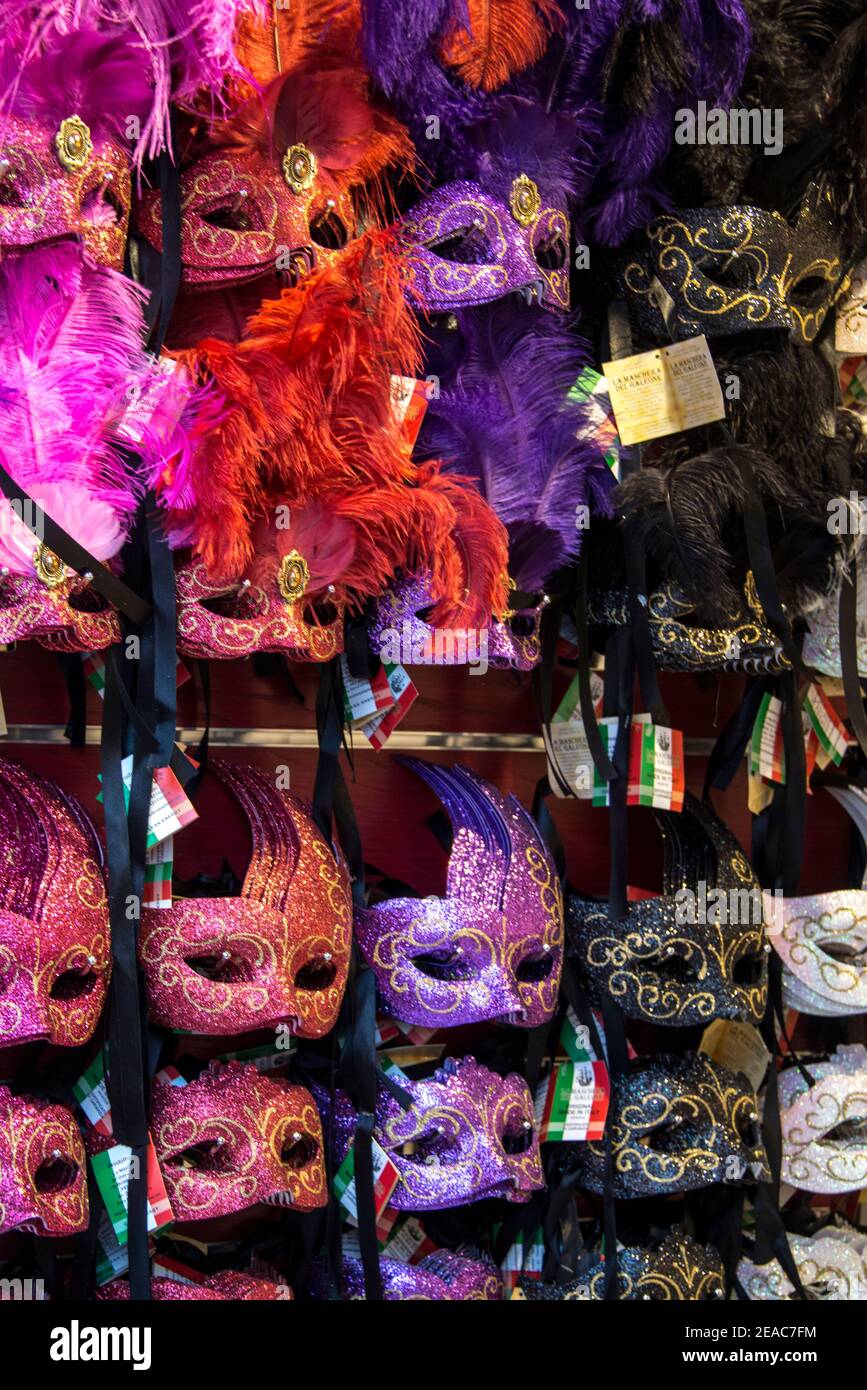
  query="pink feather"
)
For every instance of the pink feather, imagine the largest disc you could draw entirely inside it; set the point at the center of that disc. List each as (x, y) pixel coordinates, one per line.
(72, 364)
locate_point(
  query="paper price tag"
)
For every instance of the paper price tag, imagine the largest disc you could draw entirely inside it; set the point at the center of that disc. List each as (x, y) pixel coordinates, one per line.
(738, 1046)
(525, 1257)
(159, 861)
(572, 1102)
(657, 393)
(91, 1093)
(363, 698)
(408, 1242)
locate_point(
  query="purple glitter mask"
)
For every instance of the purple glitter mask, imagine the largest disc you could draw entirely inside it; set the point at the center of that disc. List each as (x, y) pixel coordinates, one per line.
(467, 1135)
(439, 1278)
(467, 247)
(513, 643)
(492, 948)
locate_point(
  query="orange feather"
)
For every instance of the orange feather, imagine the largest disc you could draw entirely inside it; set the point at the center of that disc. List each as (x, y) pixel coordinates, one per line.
(503, 38)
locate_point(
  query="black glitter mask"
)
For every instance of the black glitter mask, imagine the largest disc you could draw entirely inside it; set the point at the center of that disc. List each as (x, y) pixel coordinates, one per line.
(678, 1270)
(727, 269)
(743, 643)
(693, 954)
(677, 1124)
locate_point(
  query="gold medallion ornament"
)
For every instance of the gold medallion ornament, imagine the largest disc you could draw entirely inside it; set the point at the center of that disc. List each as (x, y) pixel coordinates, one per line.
(74, 145)
(49, 567)
(293, 576)
(524, 200)
(300, 167)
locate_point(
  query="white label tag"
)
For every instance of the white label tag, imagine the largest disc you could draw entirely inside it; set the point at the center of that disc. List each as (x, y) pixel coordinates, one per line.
(664, 391)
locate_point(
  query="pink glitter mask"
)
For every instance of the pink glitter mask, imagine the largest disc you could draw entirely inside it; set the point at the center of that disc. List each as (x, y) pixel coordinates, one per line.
(228, 1286)
(468, 1135)
(224, 620)
(492, 948)
(55, 944)
(279, 953)
(825, 1125)
(41, 200)
(43, 1171)
(822, 941)
(241, 218)
(233, 1138)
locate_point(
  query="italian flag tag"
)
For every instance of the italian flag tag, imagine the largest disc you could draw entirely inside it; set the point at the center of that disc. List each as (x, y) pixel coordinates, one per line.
(826, 723)
(656, 775)
(385, 1180)
(111, 1168)
(525, 1257)
(766, 745)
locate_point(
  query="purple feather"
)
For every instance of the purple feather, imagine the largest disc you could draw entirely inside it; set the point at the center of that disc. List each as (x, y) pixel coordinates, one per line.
(646, 59)
(506, 420)
(521, 137)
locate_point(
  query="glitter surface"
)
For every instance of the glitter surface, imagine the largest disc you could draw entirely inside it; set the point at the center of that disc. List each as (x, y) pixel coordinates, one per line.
(234, 1137)
(55, 944)
(279, 953)
(825, 1125)
(657, 966)
(822, 942)
(240, 217)
(45, 200)
(678, 1123)
(677, 1270)
(43, 1179)
(832, 1266)
(228, 1285)
(249, 620)
(500, 251)
(511, 644)
(440, 1277)
(468, 1134)
(493, 946)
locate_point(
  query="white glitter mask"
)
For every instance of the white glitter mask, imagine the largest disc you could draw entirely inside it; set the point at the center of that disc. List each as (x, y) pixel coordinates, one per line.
(831, 1266)
(825, 1125)
(822, 941)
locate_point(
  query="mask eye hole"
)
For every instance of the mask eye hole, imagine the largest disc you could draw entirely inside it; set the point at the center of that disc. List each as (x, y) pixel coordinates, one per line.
(664, 1137)
(809, 292)
(445, 964)
(518, 1139)
(550, 253)
(223, 968)
(522, 625)
(466, 246)
(73, 984)
(329, 231)
(231, 218)
(320, 613)
(102, 208)
(207, 1157)
(674, 967)
(428, 1149)
(12, 187)
(733, 273)
(316, 974)
(298, 1150)
(55, 1174)
(846, 1131)
(843, 951)
(747, 970)
(535, 968)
